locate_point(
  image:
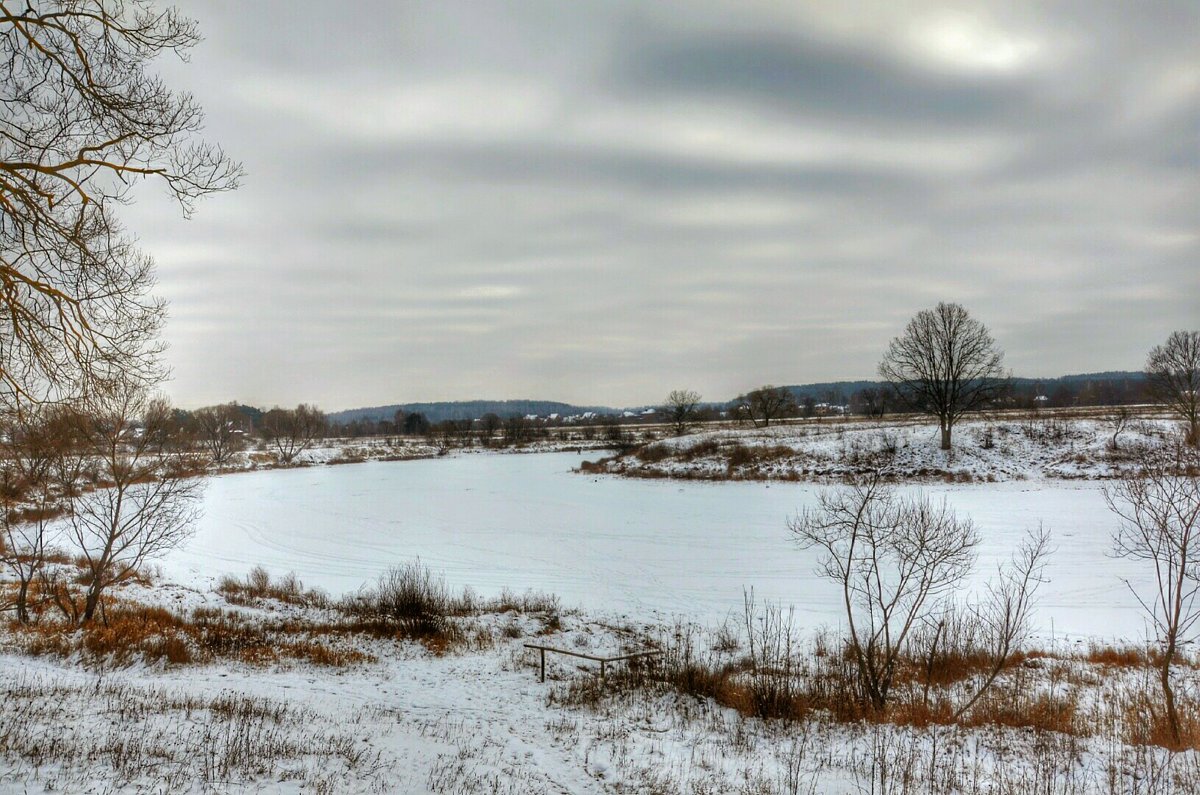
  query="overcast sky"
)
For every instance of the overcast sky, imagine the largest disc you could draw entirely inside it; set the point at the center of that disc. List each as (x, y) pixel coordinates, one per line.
(598, 201)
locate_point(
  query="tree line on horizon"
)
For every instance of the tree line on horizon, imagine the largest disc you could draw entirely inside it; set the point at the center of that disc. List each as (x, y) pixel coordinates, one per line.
(946, 364)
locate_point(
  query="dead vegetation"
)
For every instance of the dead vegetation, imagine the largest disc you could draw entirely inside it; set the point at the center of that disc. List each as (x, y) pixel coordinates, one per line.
(1101, 692)
(407, 603)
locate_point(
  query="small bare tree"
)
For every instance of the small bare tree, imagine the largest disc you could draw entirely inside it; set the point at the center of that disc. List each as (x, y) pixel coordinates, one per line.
(680, 409)
(945, 364)
(1117, 420)
(292, 431)
(146, 501)
(489, 425)
(1003, 616)
(895, 560)
(764, 404)
(28, 500)
(517, 431)
(1159, 507)
(1173, 372)
(220, 431)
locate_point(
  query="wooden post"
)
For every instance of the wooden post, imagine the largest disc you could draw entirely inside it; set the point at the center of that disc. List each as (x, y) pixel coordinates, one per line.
(602, 663)
(543, 651)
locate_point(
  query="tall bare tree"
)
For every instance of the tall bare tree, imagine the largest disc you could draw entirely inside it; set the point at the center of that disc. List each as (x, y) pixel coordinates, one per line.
(680, 409)
(146, 500)
(85, 118)
(1173, 372)
(292, 431)
(945, 364)
(764, 404)
(1159, 507)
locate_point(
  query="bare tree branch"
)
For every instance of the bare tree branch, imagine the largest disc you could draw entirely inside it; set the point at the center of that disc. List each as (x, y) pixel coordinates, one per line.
(85, 118)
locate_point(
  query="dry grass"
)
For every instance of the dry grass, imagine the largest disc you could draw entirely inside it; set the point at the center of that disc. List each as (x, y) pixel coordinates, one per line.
(130, 632)
(1101, 691)
(258, 585)
(408, 603)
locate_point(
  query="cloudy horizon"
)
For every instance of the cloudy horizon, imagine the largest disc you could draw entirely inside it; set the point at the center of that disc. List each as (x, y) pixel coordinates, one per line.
(599, 202)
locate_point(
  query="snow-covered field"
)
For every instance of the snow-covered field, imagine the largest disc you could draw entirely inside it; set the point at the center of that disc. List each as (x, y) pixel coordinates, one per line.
(648, 549)
(1006, 447)
(625, 555)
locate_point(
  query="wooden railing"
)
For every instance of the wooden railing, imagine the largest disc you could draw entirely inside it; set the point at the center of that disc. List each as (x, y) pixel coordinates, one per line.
(604, 661)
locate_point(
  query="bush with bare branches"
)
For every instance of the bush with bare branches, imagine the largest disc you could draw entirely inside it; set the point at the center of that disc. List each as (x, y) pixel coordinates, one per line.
(1159, 506)
(146, 500)
(897, 561)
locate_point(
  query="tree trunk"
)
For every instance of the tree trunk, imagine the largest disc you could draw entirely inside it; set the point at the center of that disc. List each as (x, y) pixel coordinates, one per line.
(89, 606)
(1169, 694)
(23, 602)
(945, 436)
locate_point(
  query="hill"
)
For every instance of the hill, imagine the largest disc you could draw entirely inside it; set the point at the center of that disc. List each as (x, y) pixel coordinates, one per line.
(837, 392)
(467, 410)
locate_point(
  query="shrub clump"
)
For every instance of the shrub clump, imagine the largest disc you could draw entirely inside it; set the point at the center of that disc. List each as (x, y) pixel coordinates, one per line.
(259, 585)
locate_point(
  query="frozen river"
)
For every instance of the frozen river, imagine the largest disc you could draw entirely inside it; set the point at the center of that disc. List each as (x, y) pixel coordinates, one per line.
(645, 548)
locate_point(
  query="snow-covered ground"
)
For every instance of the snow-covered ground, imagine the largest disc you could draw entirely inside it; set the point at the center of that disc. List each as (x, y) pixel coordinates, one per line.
(1002, 448)
(478, 720)
(624, 555)
(647, 549)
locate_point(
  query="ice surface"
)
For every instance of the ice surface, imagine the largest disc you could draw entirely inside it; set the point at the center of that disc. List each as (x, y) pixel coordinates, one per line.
(646, 548)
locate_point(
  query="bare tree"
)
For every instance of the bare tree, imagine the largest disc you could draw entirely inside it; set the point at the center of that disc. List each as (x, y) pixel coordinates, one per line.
(869, 401)
(1159, 507)
(292, 431)
(85, 118)
(1173, 372)
(489, 425)
(220, 431)
(945, 364)
(1003, 617)
(764, 404)
(146, 501)
(894, 559)
(517, 431)
(28, 501)
(680, 409)
(1117, 420)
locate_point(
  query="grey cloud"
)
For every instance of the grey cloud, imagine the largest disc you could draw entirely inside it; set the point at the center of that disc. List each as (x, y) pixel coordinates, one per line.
(799, 75)
(601, 201)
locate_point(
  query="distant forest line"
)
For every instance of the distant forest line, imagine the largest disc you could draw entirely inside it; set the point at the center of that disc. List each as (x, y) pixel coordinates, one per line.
(1087, 389)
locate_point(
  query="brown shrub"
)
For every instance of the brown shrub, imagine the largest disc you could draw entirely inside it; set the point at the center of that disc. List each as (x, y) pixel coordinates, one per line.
(701, 449)
(320, 654)
(653, 453)
(738, 455)
(1011, 708)
(258, 585)
(1123, 657)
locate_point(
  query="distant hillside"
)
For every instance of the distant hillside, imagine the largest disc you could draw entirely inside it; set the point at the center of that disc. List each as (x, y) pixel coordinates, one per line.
(838, 392)
(467, 410)
(831, 391)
